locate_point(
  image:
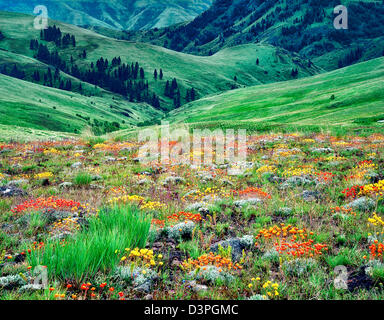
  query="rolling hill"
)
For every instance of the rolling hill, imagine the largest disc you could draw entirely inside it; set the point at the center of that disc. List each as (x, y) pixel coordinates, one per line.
(349, 96)
(30, 105)
(117, 14)
(230, 68)
(302, 26)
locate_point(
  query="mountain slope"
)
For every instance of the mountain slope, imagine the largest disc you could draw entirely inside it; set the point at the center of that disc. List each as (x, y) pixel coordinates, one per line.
(30, 105)
(351, 95)
(303, 26)
(206, 75)
(118, 14)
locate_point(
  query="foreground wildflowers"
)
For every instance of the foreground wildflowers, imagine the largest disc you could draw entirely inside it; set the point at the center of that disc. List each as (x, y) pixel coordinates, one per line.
(275, 227)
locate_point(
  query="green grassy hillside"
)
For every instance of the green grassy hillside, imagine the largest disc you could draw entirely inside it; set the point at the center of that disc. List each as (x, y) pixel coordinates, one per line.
(30, 105)
(352, 95)
(303, 26)
(206, 74)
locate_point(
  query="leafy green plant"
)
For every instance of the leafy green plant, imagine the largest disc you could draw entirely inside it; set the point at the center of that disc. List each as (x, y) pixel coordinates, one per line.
(192, 247)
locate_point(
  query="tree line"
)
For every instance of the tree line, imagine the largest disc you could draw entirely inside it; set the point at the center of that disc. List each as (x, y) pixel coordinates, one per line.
(54, 34)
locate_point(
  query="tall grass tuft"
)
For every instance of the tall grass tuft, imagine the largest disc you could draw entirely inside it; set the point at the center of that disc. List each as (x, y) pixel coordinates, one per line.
(83, 179)
(93, 249)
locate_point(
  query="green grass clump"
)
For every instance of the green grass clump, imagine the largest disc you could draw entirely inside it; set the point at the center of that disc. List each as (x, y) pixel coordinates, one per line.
(93, 250)
(83, 179)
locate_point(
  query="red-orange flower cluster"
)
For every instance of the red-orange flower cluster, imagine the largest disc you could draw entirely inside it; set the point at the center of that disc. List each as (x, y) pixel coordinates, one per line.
(177, 217)
(46, 203)
(301, 249)
(343, 210)
(283, 231)
(252, 191)
(352, 192)
(376, 249)
(211, 259)
(325, 177)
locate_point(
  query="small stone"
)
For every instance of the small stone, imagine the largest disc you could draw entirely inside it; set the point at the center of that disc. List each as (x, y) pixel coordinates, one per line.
(237, 246)
(309, 195)
(76, 165)
(15, 183)
(246, 202)
(11, 191)
(362, 204)
(197, 287)
(65, 185)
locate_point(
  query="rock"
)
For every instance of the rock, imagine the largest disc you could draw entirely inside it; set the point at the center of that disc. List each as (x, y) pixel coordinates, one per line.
(15, 183)
(142, 279)
(271, 255)
(76, 165)
(66, 185)
(373, 177)
(11, 282)
(173, 180)
(110, 159)
(257, 297)
(298, 267)
(7, 227)
(275, 179)
(201, 207)
(143, 182)
(237, 246)
(372, 265)
(284, 211)
(96, 177)
(30, 288)
(322, 150)
(182, 230)
(227, 182)
(211, 274)
(309, 195)
(197, 287)
(95, 187)
(11, 191)
(54, 215)
(19, 258)
(205, 177)
(61, 236)
(245, 202)
(211, 198)
(362, 204)
(299, 181)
